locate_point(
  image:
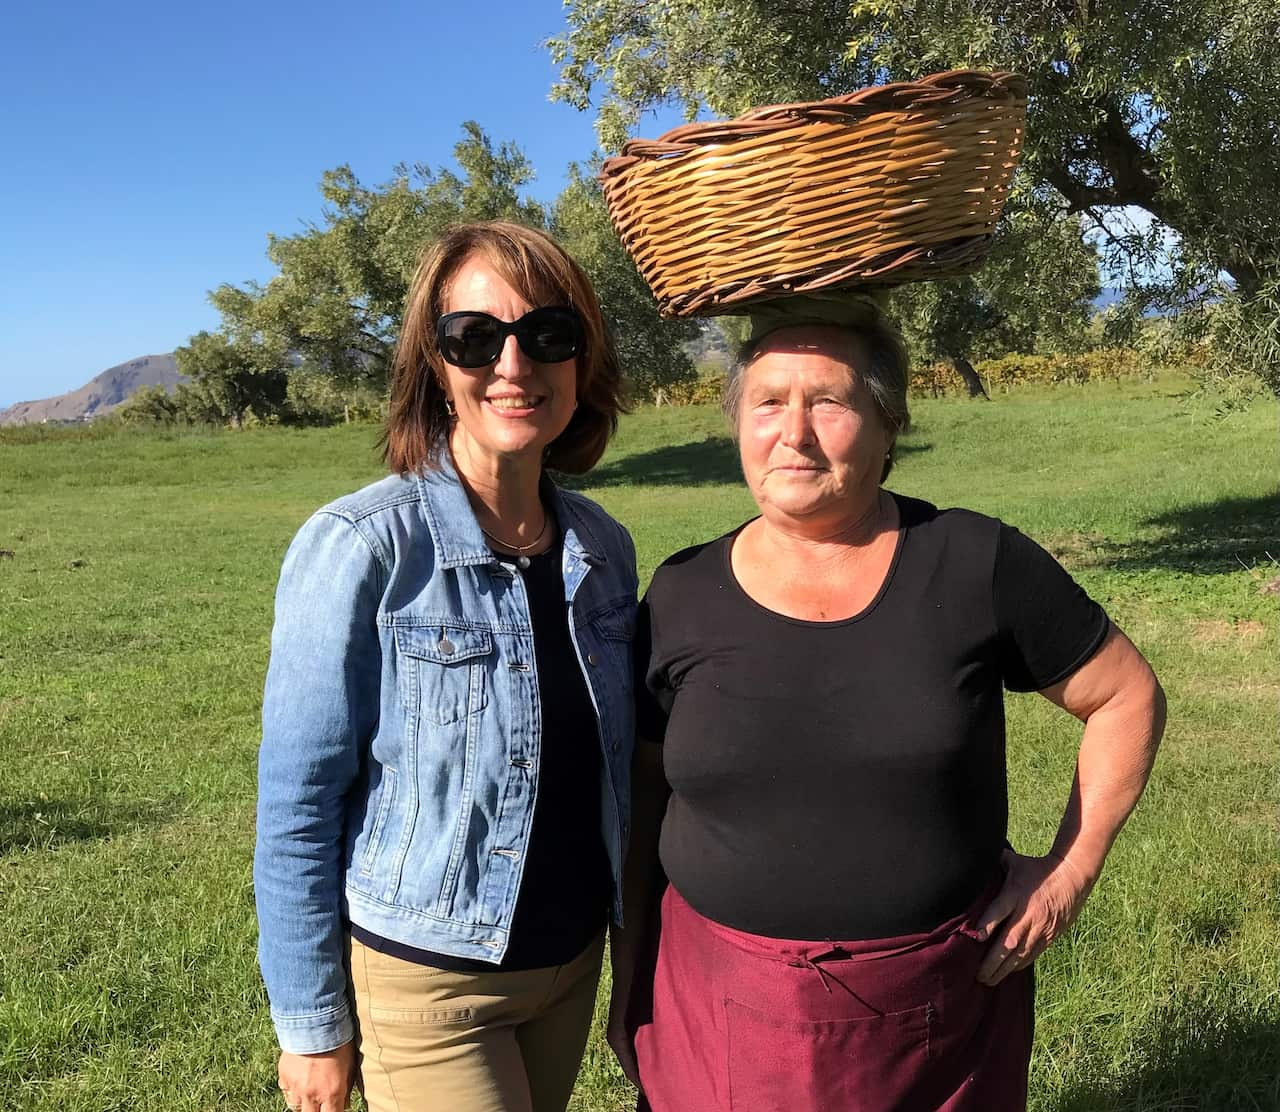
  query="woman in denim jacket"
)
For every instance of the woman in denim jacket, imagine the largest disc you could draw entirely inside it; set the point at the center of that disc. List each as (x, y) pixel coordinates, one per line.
(447, 725)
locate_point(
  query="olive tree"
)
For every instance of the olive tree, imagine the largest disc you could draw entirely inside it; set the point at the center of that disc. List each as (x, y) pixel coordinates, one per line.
(1170, 107)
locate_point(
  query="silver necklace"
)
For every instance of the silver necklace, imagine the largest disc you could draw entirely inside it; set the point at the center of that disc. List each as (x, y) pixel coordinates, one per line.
(522, 561)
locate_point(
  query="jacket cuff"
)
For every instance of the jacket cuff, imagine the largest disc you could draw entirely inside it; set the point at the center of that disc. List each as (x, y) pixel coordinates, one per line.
(316, 1033)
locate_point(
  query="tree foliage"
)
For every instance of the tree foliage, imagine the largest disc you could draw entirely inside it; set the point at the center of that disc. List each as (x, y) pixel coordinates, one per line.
(227, 384)
(1033, 295)
(1171, 107)
(151, 405)
(336, 304)
(337, 300)
(650, 350)
(229, 381)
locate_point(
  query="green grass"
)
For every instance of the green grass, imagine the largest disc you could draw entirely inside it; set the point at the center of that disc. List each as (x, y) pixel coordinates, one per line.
(134, 621)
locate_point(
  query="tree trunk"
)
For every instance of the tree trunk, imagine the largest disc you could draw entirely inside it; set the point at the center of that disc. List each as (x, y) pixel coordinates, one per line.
(971, 380)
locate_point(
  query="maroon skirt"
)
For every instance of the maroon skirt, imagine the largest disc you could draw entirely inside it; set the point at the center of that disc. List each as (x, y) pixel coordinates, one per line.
(742, 1023)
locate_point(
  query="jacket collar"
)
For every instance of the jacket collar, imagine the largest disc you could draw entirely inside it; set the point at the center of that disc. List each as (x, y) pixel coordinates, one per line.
(456, 534)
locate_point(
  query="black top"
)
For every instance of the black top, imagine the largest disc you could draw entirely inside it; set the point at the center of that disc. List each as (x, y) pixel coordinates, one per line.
(567, 883)
(846, 780)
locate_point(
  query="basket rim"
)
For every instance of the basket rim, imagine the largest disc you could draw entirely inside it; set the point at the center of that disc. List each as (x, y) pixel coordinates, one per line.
(935, 90)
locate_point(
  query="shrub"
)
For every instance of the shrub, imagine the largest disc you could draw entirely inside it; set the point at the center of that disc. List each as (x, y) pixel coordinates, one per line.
(150, 405)
(700, 391)
(1009, 371)
(320, 399)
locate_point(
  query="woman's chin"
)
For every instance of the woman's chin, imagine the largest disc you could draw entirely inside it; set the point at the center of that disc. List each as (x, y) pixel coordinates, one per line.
(795, 499)
(795, 509)
(511, 440)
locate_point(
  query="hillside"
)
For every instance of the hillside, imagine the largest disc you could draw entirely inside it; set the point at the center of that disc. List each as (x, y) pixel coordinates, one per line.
(98, 395)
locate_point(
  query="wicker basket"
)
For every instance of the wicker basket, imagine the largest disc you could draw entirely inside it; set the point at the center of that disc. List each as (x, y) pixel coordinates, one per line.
(890, 184)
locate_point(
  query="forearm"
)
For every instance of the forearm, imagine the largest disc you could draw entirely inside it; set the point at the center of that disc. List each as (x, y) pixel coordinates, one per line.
(1117, 697)
(1116, 755)
(298, 882)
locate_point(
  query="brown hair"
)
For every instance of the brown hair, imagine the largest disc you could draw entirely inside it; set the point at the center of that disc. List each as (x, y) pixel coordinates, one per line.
(885, 372)
(537, 268)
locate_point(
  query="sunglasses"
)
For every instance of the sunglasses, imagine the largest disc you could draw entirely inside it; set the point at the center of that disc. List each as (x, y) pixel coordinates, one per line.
(547, 335)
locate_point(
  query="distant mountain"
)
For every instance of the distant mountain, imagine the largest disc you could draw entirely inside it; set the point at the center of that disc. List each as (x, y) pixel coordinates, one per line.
(100, 394)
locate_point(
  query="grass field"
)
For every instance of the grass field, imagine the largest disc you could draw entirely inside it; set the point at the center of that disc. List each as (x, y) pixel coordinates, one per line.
(134, 619)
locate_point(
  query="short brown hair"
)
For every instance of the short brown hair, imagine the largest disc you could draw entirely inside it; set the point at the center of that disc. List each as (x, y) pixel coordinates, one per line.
(537, 268)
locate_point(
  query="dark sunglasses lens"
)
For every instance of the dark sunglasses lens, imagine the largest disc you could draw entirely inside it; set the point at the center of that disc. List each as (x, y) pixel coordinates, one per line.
(468, 340)
(550, 335)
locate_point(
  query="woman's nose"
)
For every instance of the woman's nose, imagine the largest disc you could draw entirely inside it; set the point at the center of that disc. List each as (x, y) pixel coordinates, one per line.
(512, 362)
(797, 429)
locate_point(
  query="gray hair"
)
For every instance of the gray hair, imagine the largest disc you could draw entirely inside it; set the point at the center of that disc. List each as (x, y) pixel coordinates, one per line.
(885, 375)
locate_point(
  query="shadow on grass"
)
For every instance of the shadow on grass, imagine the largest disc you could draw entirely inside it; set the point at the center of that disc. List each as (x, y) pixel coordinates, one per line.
(1225, 1064)
(47, 823)
(710, 462)
(1211, 538)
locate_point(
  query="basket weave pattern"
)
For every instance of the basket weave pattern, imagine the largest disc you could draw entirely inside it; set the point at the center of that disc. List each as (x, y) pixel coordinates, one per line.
(890, 184)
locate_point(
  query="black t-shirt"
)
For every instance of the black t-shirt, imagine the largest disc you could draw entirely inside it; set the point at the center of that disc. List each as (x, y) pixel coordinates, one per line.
(567, 882)
(846, 780)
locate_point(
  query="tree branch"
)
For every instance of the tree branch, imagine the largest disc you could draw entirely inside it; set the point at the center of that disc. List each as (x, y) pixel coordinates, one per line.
(1079, 197)
(1128, 162)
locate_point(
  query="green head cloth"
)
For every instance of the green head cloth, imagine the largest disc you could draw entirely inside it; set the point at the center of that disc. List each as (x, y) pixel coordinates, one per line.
(847, 308)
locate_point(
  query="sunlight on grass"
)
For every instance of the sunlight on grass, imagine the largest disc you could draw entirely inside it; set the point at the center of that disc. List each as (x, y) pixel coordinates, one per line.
(134, 620)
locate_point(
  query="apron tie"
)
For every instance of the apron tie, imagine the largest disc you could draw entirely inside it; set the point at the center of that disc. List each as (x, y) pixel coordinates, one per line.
(804, 961)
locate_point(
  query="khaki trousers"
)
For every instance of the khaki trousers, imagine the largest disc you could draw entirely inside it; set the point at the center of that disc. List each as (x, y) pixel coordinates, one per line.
(433, 1040)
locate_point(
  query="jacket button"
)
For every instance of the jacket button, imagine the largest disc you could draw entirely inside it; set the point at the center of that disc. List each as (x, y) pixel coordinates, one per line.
(592, 659)
(445, 646)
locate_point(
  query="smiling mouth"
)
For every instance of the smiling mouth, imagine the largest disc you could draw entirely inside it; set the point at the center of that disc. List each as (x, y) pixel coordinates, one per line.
(513, 402)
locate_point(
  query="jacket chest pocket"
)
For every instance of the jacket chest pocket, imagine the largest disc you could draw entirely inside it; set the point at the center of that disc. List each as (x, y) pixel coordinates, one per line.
(609, 634)
(612, 630)
(449, 665)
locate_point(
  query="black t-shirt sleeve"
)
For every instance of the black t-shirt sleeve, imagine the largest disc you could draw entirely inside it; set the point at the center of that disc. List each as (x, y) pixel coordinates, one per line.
(1048, 626)
(654, 694)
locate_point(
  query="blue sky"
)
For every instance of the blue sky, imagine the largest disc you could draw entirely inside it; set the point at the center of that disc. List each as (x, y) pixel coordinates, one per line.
(149, 148)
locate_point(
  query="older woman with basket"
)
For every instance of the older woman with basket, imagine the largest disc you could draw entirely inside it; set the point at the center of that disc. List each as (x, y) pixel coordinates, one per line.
(821, 714)
(846, 928)
(447, 728)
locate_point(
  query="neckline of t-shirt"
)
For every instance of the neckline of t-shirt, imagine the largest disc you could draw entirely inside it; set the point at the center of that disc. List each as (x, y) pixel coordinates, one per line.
(727, 556)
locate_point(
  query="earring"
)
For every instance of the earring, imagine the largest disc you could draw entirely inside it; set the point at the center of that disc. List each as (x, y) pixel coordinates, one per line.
(450, 409)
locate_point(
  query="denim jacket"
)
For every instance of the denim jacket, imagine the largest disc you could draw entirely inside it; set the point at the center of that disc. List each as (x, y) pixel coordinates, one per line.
(401, 732)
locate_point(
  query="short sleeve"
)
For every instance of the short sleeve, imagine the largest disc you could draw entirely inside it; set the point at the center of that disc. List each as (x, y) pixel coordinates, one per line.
(1048, 625)
(654, 695)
